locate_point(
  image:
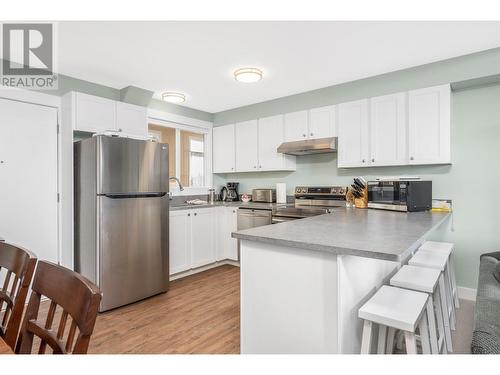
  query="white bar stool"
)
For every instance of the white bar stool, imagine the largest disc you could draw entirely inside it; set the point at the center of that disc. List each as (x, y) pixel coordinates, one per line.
(396, 308)
(448, 248)
(424, 280)
(438, 260)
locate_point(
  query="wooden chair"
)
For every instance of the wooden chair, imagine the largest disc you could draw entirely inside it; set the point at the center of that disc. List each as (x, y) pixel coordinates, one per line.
(78, 298)
(19, 265)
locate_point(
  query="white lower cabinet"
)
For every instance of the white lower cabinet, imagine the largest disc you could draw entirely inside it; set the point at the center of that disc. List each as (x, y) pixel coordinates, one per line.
(227, 222)
(180, 241)
(199, 237)
(202, 237)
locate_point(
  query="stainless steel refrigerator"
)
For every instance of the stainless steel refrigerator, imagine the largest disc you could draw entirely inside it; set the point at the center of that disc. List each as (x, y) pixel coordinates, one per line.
(121, 217)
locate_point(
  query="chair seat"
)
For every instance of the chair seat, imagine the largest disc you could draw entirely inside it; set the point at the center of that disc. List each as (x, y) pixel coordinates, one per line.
(431, 259)
(395, 307)
(446, 247)
(422, 279)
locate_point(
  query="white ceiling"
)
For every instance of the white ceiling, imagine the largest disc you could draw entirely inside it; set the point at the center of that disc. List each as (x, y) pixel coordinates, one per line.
(198, 57)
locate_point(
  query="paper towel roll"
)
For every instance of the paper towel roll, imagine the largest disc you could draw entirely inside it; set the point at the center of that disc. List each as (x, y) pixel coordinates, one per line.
(281, 192)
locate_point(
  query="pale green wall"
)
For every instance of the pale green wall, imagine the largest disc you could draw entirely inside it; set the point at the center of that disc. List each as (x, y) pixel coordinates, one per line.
(475, 160)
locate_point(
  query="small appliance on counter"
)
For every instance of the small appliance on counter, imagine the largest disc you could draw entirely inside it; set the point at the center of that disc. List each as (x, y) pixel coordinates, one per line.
(400, 195)
(232, 192)
(264, 195)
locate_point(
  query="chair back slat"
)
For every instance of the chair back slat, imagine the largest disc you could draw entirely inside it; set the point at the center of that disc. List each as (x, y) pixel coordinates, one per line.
(77, 297)
(19, 265)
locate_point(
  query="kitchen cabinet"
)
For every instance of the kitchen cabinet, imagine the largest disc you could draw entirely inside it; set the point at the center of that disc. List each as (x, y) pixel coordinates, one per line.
(296, 126)
(224, 157)
(353, 134)
(93, 113)
(227, 222)
(429, 125)
(202, 237)
(322, 122)
(388, 135)
(270, 137)
(246, 146)
(131, 119)
(180, 241)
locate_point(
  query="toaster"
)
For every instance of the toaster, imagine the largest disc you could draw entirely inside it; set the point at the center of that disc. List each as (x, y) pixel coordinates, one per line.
(264, 195)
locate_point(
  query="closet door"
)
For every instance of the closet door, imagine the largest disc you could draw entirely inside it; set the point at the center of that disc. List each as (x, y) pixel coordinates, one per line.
(28, 177)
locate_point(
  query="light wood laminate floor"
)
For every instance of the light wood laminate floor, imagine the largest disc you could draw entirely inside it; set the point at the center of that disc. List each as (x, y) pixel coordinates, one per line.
(199, 315)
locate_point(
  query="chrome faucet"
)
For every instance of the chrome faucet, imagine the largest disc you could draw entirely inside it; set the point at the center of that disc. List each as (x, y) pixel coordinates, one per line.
(181, 188)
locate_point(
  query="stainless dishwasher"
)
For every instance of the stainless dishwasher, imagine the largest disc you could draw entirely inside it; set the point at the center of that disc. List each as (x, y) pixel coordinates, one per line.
(251, 218)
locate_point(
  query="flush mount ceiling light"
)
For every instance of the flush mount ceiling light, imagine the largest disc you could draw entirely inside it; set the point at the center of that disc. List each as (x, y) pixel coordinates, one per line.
(173, 97)
(248, 75)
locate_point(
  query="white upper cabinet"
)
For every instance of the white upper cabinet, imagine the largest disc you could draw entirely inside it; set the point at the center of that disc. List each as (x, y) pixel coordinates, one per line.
(270, 137)
(247, 157)
(296, 126)
(322, 122)
(429, 125)
(388, 136)
(353, 134)
(223, 149)
(131, 119)
(94, 114)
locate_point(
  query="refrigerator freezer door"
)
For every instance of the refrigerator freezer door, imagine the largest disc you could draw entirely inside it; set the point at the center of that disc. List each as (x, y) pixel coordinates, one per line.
(130, 166)
(133, 249)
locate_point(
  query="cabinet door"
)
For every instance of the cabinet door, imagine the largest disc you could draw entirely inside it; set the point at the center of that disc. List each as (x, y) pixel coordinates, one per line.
(221, 240)
(388, 130)
(247, 159)
(180, 252)
(429, 125)
(94, 114)
(223, 149)
(232, 251)
(296, 126)
(131, 119)
(270, 137)
(322, 122)
(353, 134)
(202, 237)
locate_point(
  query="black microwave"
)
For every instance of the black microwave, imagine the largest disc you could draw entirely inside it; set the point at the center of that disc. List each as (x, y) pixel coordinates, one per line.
(407, 196)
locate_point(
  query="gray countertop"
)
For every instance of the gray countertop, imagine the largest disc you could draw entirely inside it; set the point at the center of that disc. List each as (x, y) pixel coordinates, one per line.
(239, 204)
(368, 233)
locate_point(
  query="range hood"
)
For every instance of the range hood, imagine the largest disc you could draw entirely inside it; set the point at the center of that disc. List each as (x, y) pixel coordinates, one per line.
(309, 146)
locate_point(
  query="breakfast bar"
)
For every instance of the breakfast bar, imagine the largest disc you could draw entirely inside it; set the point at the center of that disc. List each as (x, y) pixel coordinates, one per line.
(303, 281)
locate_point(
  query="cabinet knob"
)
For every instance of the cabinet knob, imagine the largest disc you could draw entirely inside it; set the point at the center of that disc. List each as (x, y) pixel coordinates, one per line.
(120, 129)
(189, 214)
(363, 160)
(312, 134)
(260, 166)
(195, 214)
(411, 157)
(232, 169)
(373, 160)
(304, 135)
(255, 166)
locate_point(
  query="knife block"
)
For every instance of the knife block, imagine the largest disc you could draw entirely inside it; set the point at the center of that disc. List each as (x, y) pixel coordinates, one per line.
(363, 201)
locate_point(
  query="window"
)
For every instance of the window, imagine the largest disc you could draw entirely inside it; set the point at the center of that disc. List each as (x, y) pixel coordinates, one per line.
(186, 154)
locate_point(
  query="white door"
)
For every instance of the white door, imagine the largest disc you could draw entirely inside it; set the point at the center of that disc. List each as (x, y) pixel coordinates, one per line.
(179, 249)
(221, 241)
(270, 137)
(247, 159)
(296, 126)
(94, 114)
(223, 149)
(322, 122)
(131, 119)
(388, 130)
(28, 177)
(353, 134)
(202, 237)
(429, 125)
(232, 251)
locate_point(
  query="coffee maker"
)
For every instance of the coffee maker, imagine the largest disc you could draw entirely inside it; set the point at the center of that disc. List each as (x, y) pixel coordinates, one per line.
(232, 191)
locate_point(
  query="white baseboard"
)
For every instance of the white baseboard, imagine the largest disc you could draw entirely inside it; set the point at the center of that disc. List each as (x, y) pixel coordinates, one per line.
(203, 268)
(468, 294)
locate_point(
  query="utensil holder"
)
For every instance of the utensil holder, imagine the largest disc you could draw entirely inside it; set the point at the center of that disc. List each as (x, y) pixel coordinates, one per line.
(363, 201)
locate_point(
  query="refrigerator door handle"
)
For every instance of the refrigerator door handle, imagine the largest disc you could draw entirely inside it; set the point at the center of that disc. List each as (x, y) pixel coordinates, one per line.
(139, 195)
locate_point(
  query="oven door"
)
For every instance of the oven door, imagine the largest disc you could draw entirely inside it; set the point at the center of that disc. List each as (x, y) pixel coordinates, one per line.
(384, 192)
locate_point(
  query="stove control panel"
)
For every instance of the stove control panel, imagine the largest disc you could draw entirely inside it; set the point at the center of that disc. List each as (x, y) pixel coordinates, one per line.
(321, 191)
